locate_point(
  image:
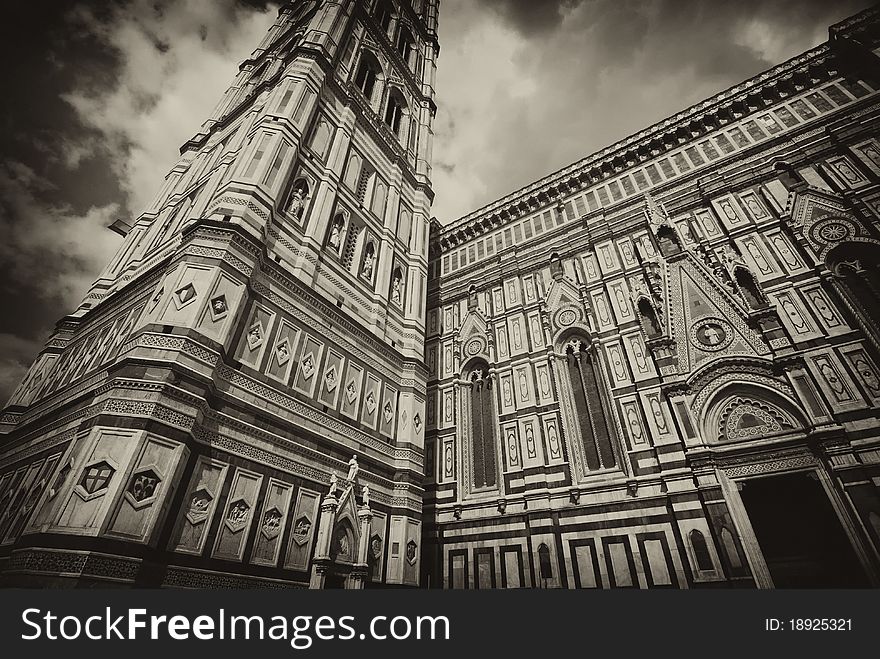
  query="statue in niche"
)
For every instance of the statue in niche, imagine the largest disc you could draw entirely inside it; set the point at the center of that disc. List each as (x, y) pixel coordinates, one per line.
(353, 468)
(369, 260)
(297, 200)
(342, 547)
(335, 239)
(396, 293)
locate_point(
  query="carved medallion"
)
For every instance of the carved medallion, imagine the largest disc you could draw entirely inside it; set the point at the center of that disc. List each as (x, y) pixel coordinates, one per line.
(711, 334)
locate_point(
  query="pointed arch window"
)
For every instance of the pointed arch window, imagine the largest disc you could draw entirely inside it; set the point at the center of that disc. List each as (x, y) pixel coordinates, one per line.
(597, 433)
(670, 244)
(404, 44)
(747, 284)
(366, 76)
(394, 113)
(701, 550)
(544, 563)
(648, 318)
(382, 14)
(482, 427)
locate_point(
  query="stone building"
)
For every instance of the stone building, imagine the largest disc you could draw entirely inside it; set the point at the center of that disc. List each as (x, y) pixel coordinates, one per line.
(653, 368)
(658, 367)
(193, 423)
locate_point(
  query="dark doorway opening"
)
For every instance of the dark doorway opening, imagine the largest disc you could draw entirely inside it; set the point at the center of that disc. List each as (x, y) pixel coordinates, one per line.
(334, 581)
(800, 535)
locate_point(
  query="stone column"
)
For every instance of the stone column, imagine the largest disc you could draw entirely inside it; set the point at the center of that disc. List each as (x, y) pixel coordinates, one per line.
(361, 567)
(322, 559)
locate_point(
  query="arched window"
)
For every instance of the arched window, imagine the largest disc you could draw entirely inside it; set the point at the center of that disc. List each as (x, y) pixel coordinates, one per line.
(856, 270)
(556, 268)
(394, 113)
(596, 430)
(545, 566)
(367, 74)
(669, 242)
(749, 288)
(404, 44)
(382, 14)
(485, 472)
(701, 550)
(648, 318)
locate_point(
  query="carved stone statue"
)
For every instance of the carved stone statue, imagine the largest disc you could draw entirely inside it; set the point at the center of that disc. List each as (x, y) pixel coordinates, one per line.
(335, 239)
(395, 290)
(366, 496)
(353, 468)
(297, 201)
(334, 484)
(369, 259)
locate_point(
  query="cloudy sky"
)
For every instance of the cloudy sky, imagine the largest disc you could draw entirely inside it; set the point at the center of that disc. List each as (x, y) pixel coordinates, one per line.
(100, 94)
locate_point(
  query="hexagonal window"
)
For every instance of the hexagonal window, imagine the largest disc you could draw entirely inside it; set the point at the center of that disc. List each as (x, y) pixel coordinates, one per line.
(271, 522)
(199, 504)
(143, 485)
(301, 529)
(96, 477)
(238, 514)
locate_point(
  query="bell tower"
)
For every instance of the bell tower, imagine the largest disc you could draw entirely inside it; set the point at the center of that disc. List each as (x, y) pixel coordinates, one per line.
(262, 322)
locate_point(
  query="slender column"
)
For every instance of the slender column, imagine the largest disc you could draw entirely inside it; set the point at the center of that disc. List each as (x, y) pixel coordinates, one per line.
(322, 559)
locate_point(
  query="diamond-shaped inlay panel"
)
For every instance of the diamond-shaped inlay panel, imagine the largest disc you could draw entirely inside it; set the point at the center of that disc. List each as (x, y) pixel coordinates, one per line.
(282, 352)
(219, 307)
(417, 422)
(238, 514)
(351, 392)
(388, 412)
(271, 525)
(155, 301)
(371, 402)
(411, 553)
(199, 504)
(301, 530)
(308, 366)
(97, 477)
(184, 295)
(330, 379)
(143, 485)
(255, 335)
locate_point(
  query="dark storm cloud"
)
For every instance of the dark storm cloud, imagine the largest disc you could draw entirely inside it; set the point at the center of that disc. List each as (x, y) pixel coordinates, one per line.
(101, 93)
(568, 78)
(105, 91)
(531, 17)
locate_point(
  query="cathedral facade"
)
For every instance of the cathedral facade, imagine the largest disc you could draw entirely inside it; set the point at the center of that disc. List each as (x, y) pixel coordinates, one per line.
(654, 368)
(658, 367)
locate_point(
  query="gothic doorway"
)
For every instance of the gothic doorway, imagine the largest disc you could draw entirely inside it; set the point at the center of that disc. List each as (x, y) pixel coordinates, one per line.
(800, 535)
